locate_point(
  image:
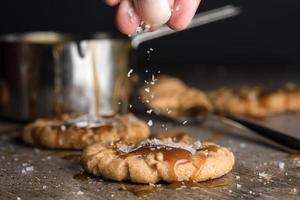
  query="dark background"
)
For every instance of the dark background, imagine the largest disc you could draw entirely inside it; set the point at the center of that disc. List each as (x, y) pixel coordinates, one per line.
(262, 42)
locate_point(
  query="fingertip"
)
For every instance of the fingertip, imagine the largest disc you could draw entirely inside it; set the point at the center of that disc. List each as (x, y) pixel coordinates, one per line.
(127, 20)
(112, 2)
(178, 25)
(183, 13)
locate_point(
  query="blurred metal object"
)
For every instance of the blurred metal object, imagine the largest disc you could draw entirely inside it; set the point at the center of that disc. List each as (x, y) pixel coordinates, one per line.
(45, 73)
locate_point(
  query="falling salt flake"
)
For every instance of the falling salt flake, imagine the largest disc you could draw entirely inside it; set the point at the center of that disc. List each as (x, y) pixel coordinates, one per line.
(237, 177)
(147, 90)
(151, 49)
(130, 106)
(147, 101)
(146, 82)
(186, 121)
(281, 165)
(158, 71)
(44, 187)
(80, 193)
(264, 175)
(153, 78)
(238, 186)
(148, 52)
(119, 103)
(130, 73)
(150, 123)
(146, 71)
(149, 111)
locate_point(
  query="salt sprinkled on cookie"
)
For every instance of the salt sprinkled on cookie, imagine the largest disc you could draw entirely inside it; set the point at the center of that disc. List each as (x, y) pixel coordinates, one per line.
(156, 143)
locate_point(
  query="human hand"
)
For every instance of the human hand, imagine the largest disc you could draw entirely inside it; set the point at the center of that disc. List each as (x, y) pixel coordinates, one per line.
(177, 14)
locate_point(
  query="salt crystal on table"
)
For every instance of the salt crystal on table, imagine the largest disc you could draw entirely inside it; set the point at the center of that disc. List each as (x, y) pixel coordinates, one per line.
(238, 186)
(237, 177)
(44, 187)
(281, 165)
(80, 193)
(243, 145)
(264, 175)
(29, 169)
(18, 198)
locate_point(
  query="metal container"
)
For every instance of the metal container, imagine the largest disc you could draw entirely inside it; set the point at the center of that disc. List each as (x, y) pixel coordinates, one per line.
(45, 74)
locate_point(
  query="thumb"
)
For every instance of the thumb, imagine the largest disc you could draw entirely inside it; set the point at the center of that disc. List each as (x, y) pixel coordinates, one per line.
(153, 12)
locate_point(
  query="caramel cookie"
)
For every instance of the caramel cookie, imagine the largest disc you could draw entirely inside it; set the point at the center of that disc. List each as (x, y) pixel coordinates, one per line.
(170, 96)
(256, 101)
(79, 132)
(153, 160)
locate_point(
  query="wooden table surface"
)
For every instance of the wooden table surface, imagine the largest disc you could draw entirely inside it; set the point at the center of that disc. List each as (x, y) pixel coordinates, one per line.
(262, 170)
